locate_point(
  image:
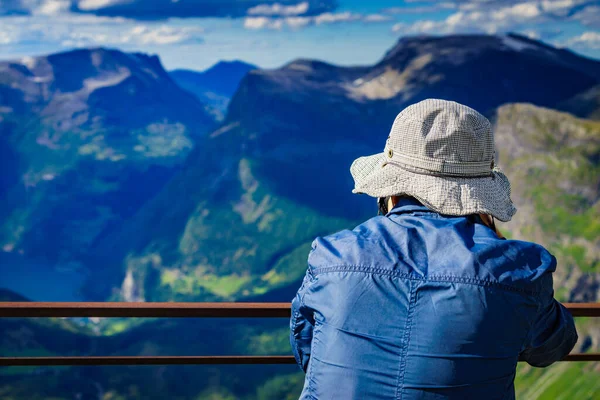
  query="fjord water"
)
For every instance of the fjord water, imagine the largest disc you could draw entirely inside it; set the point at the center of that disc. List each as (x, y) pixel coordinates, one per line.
(38, 281)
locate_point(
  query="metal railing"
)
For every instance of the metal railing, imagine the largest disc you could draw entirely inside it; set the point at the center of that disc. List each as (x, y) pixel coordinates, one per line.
(185, 310)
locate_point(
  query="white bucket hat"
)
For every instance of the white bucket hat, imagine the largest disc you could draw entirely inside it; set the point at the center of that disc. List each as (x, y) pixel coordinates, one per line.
(441, 153)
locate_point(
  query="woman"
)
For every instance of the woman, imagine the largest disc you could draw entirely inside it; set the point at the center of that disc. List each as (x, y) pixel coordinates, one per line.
(428, 301)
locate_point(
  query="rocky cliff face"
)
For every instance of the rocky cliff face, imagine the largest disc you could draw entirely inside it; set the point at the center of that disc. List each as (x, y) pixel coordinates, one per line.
(553, 162)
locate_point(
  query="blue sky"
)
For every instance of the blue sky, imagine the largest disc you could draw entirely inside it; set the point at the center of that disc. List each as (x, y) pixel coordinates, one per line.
(195, 34)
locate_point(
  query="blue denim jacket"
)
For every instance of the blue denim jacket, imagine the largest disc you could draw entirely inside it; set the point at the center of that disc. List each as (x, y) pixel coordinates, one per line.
(418, 305)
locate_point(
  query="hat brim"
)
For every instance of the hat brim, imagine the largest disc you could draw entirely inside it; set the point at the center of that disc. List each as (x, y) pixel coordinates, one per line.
(443, 194)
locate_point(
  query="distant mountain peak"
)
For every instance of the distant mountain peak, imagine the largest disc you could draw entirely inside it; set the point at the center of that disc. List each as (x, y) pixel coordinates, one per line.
(215, 85)
(74, 66)
(308, 64)
(219, 67)
(231, 63)
(457, 49)
(467, 42)
(73, 70)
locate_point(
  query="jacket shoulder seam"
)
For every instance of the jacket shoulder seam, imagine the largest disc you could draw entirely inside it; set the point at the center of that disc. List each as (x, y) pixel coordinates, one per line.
(431, 278)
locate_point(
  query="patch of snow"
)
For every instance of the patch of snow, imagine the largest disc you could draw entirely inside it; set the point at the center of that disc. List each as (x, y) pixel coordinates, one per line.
(92, 84)
(41, 79)
(150, 72)
(516, 44)
(300, 67)
(29, 62)
(224, 129)
(96, 59)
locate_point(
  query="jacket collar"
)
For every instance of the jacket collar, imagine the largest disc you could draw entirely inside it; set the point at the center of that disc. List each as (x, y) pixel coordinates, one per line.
(406, 205)
(410, 204)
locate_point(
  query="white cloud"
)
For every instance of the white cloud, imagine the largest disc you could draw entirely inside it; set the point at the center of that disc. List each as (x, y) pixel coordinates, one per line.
(162, 35)
(83, 39)
(502, 8)
(297, 22)
(421, 27)
(76, 30)
(559, 6)
(332, 18)
(587, 40)
(494, 16)
(279, 9)
(438, 6)
(262, 23)
(589, 16)
(7, 36)
(377, 18)
(139, 35)
(519, 11)
(52, 7)
(89, 5)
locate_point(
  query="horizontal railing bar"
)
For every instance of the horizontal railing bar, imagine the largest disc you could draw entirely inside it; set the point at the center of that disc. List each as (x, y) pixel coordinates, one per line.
(187, 360)
(185, 310)
(145, 360)
(583, 309)
(165, 310)
(582, 357)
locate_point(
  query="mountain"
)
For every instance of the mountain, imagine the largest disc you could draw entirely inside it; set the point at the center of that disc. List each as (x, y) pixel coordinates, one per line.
(585, 104)
(553, 169)
(86, 137)
(234, 220)
(553, 162)
(237, 221)
(216, 85)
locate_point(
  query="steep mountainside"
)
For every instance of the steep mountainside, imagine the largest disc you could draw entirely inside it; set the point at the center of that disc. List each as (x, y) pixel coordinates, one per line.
(553, 161)
(585, 104)
(216, 85)
(86, 137)
(237, 221)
